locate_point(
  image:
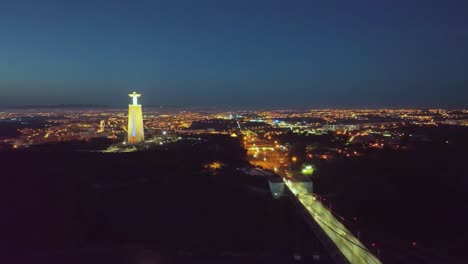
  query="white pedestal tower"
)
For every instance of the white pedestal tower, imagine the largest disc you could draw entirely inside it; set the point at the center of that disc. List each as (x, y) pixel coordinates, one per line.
(135, 130)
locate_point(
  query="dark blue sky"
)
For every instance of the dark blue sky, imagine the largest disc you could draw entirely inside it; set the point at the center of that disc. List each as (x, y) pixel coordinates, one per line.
(372, 53)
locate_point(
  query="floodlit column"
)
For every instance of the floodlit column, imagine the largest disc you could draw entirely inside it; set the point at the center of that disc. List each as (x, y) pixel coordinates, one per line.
(135, 121)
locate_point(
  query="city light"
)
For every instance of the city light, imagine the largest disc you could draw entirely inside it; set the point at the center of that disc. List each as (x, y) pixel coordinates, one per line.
(307, 170)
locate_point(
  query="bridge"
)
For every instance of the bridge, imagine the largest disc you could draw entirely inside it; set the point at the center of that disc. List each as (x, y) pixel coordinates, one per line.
(341, 244)
(348, 245)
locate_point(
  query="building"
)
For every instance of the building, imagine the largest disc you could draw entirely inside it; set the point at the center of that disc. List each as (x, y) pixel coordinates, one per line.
(135, 130)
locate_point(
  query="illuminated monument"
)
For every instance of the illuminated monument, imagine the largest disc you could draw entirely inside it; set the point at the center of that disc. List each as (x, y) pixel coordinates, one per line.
(135, 121)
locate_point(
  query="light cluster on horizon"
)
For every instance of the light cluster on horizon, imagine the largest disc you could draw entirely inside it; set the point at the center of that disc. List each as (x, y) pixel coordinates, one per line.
(52, 126)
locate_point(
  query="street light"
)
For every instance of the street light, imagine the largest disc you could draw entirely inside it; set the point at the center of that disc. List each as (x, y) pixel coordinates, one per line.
(293, 159)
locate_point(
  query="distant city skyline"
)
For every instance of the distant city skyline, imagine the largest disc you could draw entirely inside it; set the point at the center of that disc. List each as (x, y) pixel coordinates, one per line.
(371, 54)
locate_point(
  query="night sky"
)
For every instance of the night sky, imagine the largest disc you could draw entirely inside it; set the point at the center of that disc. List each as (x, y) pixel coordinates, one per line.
(375, 53)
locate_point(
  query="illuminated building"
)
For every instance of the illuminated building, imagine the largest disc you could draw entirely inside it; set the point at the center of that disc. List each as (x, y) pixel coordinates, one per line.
(135, 121)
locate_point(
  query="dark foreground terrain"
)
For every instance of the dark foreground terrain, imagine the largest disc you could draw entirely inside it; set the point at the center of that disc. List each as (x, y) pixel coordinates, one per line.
(159, 206)
(166, 205)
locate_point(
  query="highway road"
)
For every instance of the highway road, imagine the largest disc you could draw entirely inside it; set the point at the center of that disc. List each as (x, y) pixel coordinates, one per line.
(272, 156)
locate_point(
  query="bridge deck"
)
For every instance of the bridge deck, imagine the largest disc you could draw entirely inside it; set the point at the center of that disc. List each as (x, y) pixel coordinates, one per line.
(353, 250)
